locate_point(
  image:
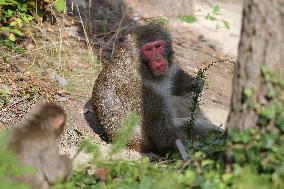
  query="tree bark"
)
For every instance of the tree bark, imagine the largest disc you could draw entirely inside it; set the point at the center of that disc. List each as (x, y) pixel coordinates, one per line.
(261, 43)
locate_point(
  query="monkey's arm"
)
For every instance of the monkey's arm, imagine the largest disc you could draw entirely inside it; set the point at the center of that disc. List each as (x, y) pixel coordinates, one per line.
(54, 166)
(184, 83)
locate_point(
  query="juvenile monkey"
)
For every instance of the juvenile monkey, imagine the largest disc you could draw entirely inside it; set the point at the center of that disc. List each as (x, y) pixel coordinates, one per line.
(34, 143)
(142, 78)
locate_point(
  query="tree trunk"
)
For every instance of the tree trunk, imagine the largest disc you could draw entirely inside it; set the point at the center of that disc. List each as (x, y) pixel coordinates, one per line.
(261, 43)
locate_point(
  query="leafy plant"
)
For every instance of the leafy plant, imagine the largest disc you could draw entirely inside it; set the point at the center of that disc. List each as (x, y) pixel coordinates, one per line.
(4, 96)
(60, 6)
(15, 14)
(187, 18)
(212, 16)
(160, 20)
(9, 167)
(10, 45)
(129, 125)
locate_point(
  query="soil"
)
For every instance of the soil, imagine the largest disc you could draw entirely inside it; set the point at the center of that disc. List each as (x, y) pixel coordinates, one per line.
(196, 46)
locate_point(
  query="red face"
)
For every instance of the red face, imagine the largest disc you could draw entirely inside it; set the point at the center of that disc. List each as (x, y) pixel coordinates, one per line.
(155, 54)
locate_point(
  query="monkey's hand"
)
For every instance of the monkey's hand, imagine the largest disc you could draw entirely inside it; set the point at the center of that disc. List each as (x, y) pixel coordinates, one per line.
(197, 85)
(185, 83)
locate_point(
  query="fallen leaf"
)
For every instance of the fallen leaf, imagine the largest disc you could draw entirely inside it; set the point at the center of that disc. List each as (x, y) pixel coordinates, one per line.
(102, 173)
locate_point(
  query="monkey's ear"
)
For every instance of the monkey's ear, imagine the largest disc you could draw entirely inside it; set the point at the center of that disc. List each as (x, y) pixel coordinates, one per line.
(58, 121)
(36, 108)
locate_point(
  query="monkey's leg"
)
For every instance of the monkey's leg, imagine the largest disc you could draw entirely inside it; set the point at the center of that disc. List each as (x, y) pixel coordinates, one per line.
(200, 127)
(182, 150)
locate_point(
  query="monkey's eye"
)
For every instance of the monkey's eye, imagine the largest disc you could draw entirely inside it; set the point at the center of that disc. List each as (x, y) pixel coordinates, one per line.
(158, 46)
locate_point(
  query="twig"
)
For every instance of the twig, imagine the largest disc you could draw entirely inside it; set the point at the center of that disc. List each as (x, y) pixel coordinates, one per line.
(201, 75)
(116, 34)
(60, 37)
(86, 36)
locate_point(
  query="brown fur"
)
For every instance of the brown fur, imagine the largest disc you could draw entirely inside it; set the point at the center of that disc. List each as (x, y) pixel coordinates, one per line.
(126, 85)
(34, 143)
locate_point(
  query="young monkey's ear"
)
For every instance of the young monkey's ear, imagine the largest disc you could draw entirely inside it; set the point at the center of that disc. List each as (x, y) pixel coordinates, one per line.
(36, 108)
(58, 121)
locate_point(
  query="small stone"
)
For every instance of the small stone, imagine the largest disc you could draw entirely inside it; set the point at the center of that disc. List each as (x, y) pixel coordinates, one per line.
(61, 98)
(60, 80)
(201, 38)
(62, 92)
(213, 47)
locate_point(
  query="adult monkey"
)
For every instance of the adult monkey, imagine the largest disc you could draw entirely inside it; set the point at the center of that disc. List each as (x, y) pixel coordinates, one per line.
(34, 143)
(143, 78)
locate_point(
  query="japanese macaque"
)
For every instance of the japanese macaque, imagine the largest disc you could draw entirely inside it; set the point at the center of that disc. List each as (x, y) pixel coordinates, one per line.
(143, 78)
(34, 143)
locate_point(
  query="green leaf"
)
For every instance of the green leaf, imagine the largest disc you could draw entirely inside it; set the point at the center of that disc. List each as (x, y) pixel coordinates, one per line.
(26, 18)
(16, 31)
(281, 83)
(216, 9)
(268, 139)
(161, 20)
(271, 93)
(248, 92)
(242, 137)
(266, 72)
(227, 177)
(207, 16)
(270, 111)
(9, 13)
(89, 147)
(5, 29)
(207, 162)
(12, 37)
(18, 20)
(3, 2)
(188, 18)
(280, 121)
(13, 23)
(226, 24)
(212, 18)
(249, 179)
(129, 124)
(60, 6)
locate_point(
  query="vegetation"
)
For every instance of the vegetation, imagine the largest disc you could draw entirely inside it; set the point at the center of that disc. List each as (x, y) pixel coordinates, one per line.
(211, 16)
(251, 158)
(4, 96)
(15, 14)
(241, 159)
(9, 167)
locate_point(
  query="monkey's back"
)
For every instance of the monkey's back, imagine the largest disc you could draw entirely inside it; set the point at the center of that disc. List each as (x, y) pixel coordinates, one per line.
(117, 92)
(25, 142)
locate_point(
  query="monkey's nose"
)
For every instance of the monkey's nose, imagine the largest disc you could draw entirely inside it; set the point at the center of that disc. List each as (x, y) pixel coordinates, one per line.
(157, 58)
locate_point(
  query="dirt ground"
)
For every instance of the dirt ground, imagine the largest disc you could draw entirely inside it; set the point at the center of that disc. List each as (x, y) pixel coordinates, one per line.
(195, 46)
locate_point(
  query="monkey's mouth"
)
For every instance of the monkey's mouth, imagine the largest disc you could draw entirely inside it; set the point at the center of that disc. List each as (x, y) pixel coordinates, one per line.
(161, 68)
